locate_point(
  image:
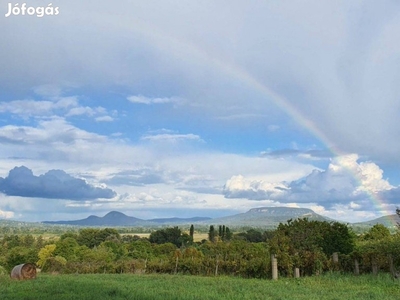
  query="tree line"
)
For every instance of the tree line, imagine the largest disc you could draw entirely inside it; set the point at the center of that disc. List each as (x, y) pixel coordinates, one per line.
(301, 243)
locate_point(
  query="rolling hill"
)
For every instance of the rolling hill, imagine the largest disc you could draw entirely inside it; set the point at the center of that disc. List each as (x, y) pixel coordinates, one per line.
(388, 221)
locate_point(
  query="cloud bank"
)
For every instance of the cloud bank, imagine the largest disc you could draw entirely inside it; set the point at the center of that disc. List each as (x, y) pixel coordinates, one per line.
(344, 181)
(55, 184)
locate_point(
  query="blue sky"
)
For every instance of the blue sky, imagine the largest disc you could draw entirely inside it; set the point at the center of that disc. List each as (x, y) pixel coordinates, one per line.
(164, 108)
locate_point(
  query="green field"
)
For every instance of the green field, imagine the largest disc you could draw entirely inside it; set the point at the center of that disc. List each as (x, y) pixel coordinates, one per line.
(164, 287)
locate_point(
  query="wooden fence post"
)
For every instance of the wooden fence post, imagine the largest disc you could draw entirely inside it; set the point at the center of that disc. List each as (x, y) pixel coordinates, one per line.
(176, 265)
(296, 272)
(391, 266)
(274, 264)
(374, 267)
(216, 266)
(356, 267)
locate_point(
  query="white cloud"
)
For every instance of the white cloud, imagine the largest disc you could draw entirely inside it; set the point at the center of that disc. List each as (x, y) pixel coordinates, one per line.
(344, 53)
(330, 67)
(239, 187)
(172, 137)
(344, 181)
(54, 184)
(77, 111)
(139, 99)
(54, 105)
(6, 214)
(33, 108)
(104, 119)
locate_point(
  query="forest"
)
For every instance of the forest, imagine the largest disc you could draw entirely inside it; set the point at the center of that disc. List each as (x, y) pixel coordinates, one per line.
(303, 244)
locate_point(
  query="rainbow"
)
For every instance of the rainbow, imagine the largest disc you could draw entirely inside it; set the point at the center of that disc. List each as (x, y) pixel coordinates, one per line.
(163, 40)
(302, 120)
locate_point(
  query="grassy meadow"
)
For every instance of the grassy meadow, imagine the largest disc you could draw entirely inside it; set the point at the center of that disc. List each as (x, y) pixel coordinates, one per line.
(164, 287)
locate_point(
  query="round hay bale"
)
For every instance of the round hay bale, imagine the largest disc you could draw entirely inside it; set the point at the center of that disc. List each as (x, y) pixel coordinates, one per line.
(23, 272)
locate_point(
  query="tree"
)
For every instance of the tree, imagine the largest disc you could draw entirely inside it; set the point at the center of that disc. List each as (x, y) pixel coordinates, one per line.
(211, 234)
(228, 234)
(91, 237)
(168, 235)
(309, 244)
(377, 232)
(336, 237)
(140, 249)
(45, 253)
(19, 255)
(251, 235)
(67, 248)
(191, 233)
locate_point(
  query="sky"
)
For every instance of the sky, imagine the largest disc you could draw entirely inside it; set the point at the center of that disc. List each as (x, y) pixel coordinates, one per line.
(199, 108)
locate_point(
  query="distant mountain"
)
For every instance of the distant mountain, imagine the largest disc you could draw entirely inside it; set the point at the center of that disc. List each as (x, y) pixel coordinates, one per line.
(389, 221)
(268, 217)
(262, 217)
(115, 218)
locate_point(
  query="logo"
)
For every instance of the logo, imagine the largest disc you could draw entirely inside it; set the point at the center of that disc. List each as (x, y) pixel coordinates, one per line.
(24, 10)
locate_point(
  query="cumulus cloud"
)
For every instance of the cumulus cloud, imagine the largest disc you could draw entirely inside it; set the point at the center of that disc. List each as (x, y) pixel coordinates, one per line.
(85, 110)
(54, 130)
(29, 108)
(344, 181)
(240, 187)
(53, 104)
(55, 184)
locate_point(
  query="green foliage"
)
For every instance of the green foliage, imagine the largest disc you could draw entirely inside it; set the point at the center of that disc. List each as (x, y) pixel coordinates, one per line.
(191, 233)
(211, 234)
(45, 253)
(20, 255)
(67, 248)
(337, 237)
(228, 234)
(300, 243)
(11, 241)
(91, 237)
(378, 252)
(163, 250)
(309, 244)
(3, 271)
(377, 232)
(169, 235)
(116, 247)
(54, 264)
(251, 235)
(140, 249)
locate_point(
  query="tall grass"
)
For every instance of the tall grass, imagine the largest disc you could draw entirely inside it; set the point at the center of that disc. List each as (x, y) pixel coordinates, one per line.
(165, 287)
